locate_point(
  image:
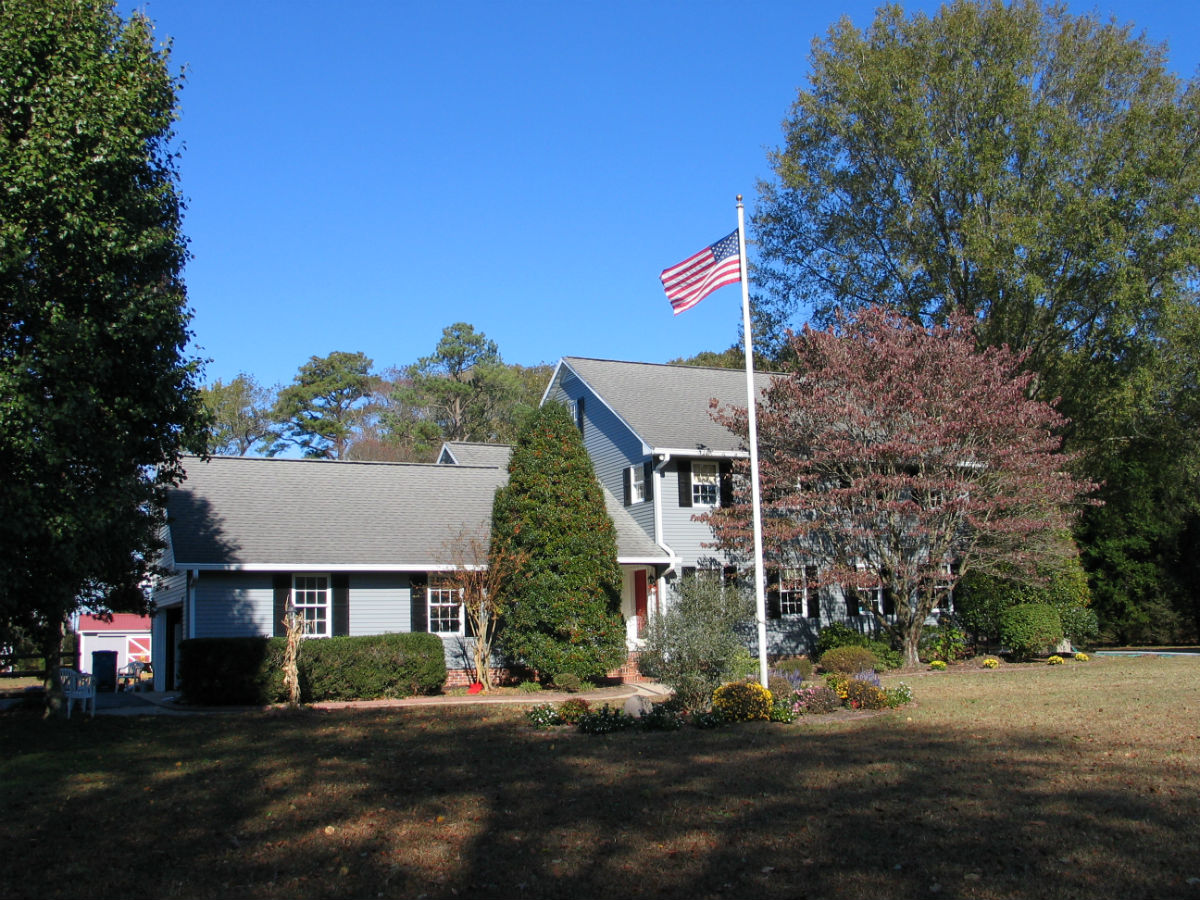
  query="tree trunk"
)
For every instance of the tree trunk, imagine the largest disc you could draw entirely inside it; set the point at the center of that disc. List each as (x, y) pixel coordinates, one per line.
(909, 642)
(52, 656)
(483, 650)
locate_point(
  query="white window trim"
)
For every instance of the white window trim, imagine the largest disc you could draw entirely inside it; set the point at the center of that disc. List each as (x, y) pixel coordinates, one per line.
(434, 597)
(300, 594)
(794, 597)
(637, 484)
(700, 483)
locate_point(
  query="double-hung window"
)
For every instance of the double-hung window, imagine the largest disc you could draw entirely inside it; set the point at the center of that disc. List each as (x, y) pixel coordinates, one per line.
(636, 480)
(311, 600)
(445, 610)
(798, 594)
(706, 483)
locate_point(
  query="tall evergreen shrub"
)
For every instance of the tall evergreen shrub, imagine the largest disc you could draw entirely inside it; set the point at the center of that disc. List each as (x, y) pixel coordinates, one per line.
(564, 615)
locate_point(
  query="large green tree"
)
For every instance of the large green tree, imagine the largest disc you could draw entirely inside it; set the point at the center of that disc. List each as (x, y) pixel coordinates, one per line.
(463, 391)
(564, 600)
(323, 409)
(239, 415)
(1038, 171)
(97, 396)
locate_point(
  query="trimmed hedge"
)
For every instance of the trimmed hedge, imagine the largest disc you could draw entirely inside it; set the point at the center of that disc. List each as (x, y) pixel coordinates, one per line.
(849, 660)
(1030, 629)
(249, 671)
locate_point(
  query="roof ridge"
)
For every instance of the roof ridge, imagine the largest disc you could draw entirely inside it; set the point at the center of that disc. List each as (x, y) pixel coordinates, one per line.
(315, 461)
(669, 365)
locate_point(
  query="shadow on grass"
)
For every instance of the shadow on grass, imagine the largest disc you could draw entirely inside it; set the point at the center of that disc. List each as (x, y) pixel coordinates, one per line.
(466, 802)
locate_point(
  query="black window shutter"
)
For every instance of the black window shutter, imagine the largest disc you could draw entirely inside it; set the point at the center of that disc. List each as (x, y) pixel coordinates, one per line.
(773, 609)
(685, 482)
(341, 603)
(282, 584)
(628, 486)
(889, 602)
(814, 593)
(419, 620)
(648, 476)
(579, 410)
(726, 483)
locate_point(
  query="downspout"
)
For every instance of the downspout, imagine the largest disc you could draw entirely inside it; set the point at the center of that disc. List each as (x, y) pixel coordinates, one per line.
(189, 607)
(661, 593)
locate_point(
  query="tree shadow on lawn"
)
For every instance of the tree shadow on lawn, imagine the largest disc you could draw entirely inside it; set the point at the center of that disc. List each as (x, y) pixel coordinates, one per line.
(445, 803)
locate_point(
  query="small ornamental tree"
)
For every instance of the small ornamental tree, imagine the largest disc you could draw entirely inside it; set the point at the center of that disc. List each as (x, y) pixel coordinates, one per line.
(900, 455)
(564, 601)
(691, 645)
(481, 579)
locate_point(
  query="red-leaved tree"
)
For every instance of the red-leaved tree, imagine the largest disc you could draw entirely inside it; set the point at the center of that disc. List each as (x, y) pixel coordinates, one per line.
(898, 455)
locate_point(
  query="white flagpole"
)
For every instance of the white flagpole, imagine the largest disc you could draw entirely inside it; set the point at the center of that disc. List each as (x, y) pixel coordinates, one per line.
(760, 596)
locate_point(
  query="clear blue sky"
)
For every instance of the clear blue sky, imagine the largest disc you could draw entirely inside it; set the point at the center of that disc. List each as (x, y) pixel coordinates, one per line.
(360, 175)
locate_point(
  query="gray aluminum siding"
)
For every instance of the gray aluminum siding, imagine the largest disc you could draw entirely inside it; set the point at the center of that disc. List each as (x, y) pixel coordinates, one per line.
(233, 604)
(241, 604)
(611, 445)
(379, 603)
(680, 533)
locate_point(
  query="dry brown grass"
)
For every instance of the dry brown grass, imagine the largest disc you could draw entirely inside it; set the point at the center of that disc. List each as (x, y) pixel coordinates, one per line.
(1072, 781)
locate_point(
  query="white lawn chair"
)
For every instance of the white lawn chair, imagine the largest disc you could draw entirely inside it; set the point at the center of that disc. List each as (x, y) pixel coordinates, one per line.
(78, 686)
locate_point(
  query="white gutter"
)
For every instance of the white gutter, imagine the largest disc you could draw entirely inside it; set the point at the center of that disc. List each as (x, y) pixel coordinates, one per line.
(189, 604)
(658, 522)
(668, 452)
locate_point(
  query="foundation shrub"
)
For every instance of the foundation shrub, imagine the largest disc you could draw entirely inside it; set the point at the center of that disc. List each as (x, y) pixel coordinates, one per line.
(231, 671)
(848, 659)
(240, 671)
(1030, 629)
(695, 646)
(372, 667)
(568, 681)
(839, 635)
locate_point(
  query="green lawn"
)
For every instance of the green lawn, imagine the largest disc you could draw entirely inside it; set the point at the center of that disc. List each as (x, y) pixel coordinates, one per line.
(1034, 781)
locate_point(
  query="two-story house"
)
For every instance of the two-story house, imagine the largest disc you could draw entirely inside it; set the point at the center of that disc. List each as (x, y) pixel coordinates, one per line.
(359, 546)
(656, 446)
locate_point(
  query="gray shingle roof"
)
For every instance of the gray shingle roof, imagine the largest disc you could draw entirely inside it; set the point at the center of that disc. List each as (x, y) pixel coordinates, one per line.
(467, 453)
(668, 405)
(254, 513)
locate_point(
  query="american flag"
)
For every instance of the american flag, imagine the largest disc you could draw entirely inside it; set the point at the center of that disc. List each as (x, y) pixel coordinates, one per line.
(690, 281)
